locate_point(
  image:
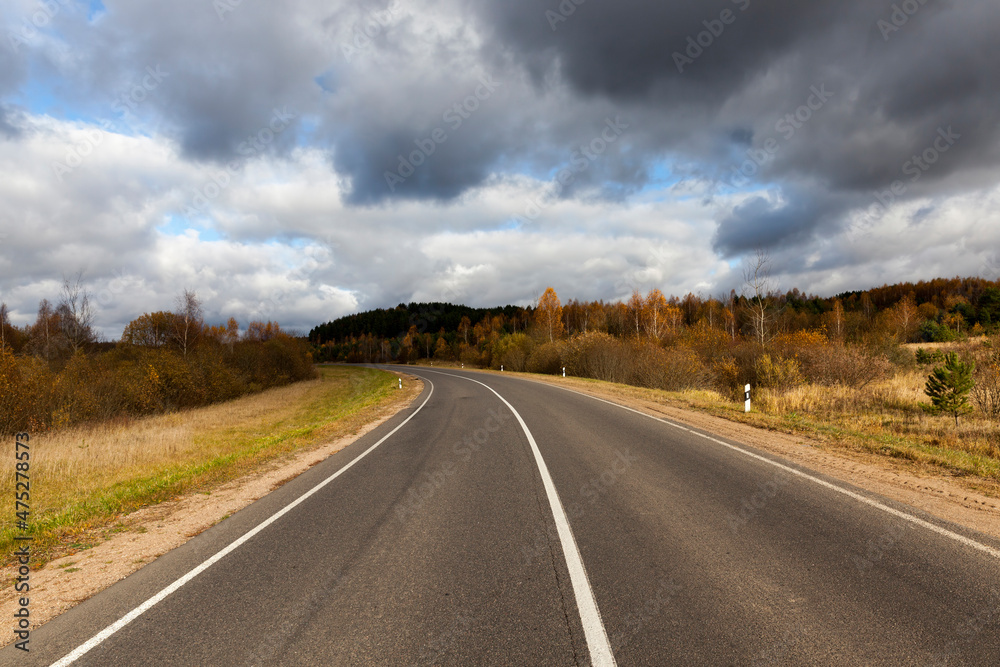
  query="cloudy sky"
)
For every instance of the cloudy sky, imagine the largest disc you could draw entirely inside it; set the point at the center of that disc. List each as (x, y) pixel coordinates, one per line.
(303, 160)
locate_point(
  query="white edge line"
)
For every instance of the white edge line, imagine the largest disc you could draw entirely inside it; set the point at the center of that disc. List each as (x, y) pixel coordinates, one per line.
(847, 492)
(590, 616)
(151, 602)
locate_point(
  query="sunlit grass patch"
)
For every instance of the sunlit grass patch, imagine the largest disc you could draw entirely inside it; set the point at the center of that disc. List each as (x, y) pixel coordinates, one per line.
(86, 478)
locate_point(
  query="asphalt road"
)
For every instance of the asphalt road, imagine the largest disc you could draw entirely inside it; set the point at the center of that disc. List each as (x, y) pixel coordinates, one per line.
(569, 529)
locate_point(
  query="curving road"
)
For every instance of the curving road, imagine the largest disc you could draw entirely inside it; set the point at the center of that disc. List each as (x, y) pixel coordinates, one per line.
(504, 521)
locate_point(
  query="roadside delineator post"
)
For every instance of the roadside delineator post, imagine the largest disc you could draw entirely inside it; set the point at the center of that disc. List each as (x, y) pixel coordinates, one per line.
(400, 382)
(564, 371)
(746, 398)
(501, 368)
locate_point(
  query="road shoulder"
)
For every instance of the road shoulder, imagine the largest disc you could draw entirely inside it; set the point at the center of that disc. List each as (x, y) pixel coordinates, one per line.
(966, 501)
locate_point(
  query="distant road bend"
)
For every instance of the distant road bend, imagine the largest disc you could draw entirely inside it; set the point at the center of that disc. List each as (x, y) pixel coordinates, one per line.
(503, 521)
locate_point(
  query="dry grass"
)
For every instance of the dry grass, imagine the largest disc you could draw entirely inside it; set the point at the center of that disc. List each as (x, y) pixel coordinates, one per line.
(884, 418)
(889, 418)
(952, 345)
(84, 477)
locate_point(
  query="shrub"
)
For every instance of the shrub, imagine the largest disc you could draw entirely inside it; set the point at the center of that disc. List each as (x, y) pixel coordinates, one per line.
(132, 380)
(777, 373)
(924, 357)
(546, 358)
(511, 352)
(639, 363)
(596, 355)
(470, 356)
(986, 392)
(843, 365)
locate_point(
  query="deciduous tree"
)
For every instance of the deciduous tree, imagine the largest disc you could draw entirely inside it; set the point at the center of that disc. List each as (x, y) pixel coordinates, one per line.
(548, 315)
(188, 320)
(76, 315)
(150, 329)
(757, 288)
(655, 316)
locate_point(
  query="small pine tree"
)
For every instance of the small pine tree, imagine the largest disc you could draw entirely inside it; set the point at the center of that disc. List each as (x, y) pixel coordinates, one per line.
(949, 386)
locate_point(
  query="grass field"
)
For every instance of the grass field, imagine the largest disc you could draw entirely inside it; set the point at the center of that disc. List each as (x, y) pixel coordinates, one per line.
(87, 478)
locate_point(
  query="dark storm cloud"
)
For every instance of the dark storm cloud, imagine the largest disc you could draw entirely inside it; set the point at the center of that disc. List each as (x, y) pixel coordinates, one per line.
(703, 86)
(899, 73)
(8, 130)
(220, 77)
(759, 222)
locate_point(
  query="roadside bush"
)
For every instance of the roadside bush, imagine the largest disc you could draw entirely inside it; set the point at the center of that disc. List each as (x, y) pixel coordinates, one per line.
(843, 365)
(638, 363)
(470, 356)
(924, 357)
(512, 352)
(546, 358)
(674, 368)
(777, 373)
(596, 355)
(131, 380)
(26, 387)
(986, 391)
(737, 369)
(710, 344)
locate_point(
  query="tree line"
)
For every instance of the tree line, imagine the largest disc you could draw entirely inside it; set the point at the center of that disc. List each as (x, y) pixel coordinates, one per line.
(56, 371)
(939, 310)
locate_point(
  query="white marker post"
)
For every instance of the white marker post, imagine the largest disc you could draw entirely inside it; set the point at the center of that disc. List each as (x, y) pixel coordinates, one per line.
(400, 382)
(746, 398)
(501, 368)
(564, 371)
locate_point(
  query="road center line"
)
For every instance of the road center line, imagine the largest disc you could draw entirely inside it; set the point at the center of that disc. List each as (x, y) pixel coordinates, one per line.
(159, 597)
(590, 616)
(847, 492)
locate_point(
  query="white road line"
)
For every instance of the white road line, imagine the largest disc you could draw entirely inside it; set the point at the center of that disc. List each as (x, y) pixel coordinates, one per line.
(159, 597)
(590, 615)
(847, 492)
